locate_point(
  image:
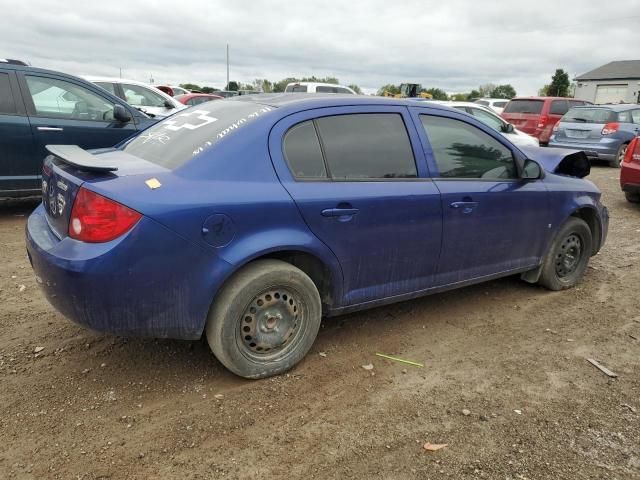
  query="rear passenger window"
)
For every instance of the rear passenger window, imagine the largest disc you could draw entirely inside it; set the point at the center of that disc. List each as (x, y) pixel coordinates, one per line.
(7, 104)
(302, 152)
(635, 116)
(323, 89)
(464, 151)
(366, 146)
(559, 107)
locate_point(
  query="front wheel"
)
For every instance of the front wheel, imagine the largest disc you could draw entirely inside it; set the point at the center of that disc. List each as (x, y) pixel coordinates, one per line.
(265, 319)
(568, 256)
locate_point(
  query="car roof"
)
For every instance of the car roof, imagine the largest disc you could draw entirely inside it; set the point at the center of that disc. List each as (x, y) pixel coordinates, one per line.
(537, 97)
(319, 100)
(618, 107)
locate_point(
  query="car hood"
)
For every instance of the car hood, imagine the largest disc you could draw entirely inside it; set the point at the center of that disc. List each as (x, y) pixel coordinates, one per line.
(563, 161)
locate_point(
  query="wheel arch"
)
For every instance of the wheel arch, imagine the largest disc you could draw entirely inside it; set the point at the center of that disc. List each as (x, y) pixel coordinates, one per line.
(590, 215)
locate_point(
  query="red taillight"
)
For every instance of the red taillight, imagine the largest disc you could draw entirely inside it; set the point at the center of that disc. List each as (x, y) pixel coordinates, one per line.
(609, 128)
(633, 151)
(95, 218)
(542, 121)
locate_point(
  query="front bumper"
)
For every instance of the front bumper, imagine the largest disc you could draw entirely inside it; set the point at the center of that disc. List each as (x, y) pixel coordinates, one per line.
(149, 282)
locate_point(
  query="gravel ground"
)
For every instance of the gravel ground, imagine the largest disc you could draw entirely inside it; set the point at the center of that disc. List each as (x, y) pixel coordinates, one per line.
(506, 385)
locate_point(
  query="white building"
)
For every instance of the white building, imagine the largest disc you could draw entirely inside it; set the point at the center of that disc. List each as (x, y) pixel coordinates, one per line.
(615, 82)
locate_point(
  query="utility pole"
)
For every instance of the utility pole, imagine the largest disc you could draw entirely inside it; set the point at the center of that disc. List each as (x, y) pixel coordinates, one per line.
(227, 87)
(120, 72)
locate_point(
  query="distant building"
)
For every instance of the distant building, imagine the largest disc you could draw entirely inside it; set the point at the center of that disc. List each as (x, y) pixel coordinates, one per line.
(614, 82)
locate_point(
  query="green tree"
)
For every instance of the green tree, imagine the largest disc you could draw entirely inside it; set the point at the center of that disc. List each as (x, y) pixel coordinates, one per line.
(473, 95)
(437, 93)
(503, 91)
(208, 89)
(459, 97)
(486, 89)
(544, 91)
(190, 86)
(392, 89)
(233, 86)
(355, 88)
(559, 86)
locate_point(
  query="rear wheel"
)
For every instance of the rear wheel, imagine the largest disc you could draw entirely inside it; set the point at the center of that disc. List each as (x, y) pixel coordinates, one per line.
(264, 319)
(633, 197)
(568, 256)
(616, 162)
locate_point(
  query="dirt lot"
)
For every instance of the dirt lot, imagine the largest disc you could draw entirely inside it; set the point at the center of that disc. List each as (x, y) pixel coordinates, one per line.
(92, 406)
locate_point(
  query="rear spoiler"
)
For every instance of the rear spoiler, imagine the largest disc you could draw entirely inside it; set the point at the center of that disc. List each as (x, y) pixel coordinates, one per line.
(79, 158)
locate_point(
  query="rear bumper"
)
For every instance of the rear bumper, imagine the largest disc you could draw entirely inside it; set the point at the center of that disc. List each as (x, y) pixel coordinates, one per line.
(604, 150)
(149, 282)
(630, 177)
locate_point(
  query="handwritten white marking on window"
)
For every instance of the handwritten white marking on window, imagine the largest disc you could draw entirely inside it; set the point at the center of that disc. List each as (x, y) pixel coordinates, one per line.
(173, 125)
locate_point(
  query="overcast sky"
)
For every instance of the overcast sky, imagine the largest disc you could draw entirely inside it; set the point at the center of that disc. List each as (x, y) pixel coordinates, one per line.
(454, 44)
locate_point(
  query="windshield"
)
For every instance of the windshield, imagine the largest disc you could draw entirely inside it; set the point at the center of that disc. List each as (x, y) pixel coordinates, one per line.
(182, 136)
(524, 106)
(589, 115)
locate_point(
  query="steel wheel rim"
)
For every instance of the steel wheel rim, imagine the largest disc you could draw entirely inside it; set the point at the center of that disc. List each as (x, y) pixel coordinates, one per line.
(568, 256)
(271, 325)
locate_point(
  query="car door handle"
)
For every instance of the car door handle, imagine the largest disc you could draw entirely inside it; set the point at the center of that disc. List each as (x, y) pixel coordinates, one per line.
(466, 207)
(50, 129)
(339, 212)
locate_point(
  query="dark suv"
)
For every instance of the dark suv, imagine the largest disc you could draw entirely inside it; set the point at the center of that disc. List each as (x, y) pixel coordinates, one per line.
(40, 107)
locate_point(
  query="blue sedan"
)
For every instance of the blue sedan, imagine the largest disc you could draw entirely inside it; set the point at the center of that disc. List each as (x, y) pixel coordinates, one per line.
(250, 219)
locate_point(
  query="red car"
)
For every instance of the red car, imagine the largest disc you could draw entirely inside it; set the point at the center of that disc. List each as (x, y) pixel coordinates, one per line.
(197, 98)
(538, 115)
(630, 172)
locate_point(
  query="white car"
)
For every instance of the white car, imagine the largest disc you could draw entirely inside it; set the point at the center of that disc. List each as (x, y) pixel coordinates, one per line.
(495, 104)
(142, 96)
(490, 118)
(313, 87)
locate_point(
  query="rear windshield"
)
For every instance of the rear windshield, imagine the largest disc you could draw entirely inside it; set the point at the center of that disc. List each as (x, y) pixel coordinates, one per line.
(182, 136)
(524, 106)
(590, 115)
(482, 102)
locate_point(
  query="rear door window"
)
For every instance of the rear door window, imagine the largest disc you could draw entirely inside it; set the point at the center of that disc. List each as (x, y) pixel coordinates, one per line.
(296, 89)
(559, 107)
(7, 103)
(635, 116)
(366, 146)
(624, 117)
(324, 89)
(524, 106)
(303, 153)
(464, 151)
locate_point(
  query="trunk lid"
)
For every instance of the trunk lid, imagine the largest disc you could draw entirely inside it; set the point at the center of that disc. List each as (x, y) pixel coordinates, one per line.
(68, 167)
(577, 132)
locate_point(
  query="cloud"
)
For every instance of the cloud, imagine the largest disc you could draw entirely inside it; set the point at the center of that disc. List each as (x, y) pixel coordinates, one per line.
(454, 45)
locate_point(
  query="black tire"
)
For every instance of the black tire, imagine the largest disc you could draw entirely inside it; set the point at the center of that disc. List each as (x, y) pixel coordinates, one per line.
(265, 319)
(568, 257)
(632, 197)
(617, 162)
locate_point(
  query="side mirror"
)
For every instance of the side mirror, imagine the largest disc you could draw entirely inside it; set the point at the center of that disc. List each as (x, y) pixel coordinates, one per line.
(121, 114)
(508, 128)
(168, 104)
(531, 171)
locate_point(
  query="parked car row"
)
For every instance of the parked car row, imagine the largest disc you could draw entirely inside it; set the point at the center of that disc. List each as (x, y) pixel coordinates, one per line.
(42, 107)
